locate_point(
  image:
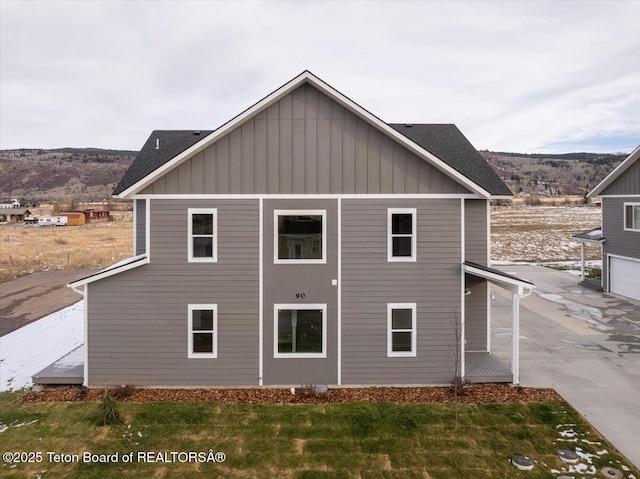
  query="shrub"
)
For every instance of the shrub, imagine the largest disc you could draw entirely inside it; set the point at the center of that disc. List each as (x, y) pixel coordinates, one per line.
(108, 413)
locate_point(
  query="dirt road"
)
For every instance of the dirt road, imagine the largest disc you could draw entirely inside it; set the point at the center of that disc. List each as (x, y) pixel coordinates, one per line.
(29, 298)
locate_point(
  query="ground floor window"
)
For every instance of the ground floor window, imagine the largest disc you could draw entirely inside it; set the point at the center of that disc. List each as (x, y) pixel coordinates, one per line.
(401, 329)
(300, 330)
(203, 331)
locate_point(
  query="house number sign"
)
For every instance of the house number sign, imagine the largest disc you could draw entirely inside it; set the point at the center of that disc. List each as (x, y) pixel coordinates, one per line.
(300, 295)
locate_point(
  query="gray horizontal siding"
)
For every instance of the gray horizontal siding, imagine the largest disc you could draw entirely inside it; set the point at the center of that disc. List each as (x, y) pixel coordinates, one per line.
(141, 227)
(628, 183)
(305, 143)
(369, 282)
(138, 321)
(475, 229)
(617, 240)
(475, 314)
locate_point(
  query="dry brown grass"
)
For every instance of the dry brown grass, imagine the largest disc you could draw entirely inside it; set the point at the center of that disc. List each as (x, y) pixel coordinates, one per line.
(29, 249)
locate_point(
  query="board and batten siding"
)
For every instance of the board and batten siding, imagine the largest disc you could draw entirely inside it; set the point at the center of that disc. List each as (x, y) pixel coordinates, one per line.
(369, 282)
(475, 232)
(628, 183)
(305, 143)
(138, 319)
(617, 240)
(140, 246)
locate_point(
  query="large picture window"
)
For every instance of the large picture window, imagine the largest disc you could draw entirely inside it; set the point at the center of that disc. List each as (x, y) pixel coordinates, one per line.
(401, 240)
(300, 236)
(632, 216)
(401, 329)
(300, 330)
(203, 331)
(203, 226)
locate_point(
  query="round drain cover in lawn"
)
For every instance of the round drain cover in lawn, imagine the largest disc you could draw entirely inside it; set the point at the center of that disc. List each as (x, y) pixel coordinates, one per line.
(523, 463)
(612, 472)
(568, 455)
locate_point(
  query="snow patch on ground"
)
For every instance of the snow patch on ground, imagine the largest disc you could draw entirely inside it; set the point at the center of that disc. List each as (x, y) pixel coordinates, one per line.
(33, 347)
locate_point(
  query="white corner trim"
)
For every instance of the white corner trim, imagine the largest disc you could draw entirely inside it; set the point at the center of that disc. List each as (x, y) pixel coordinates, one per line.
(135, 226)
(463, 252)
(147, 228)
(85, 299)
(260, 292)
(339, 291)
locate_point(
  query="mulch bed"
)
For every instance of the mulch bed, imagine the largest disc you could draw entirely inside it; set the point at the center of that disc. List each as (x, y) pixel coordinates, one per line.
(475, 394)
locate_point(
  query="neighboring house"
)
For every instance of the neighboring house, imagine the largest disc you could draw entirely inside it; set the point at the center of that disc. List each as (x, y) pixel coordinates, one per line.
(13, 215)
(74, 218)
(305, 241)
(12, 203)
(93, 216)
(620, 232)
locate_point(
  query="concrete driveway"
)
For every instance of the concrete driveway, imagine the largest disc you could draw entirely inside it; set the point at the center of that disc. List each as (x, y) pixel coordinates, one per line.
(584, 344)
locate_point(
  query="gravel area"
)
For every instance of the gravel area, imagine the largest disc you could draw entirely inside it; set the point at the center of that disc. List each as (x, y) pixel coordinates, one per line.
(475, 394)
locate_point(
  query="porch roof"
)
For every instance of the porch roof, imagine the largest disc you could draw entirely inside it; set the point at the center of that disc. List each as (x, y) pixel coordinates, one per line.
(500, 278)
(591, 236)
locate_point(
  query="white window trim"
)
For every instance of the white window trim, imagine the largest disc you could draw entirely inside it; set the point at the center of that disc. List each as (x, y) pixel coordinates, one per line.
(195, 211)
(298, 306)
(390, 213)
(624, 217)
(277, 213)
(194, 307)
(397, 354)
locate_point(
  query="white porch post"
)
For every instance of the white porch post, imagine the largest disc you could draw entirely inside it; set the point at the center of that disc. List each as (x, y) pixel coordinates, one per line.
(582, 260)
(515, 363)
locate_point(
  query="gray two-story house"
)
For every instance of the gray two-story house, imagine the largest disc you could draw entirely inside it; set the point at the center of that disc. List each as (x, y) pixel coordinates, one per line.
(305, 241)
(620, 231)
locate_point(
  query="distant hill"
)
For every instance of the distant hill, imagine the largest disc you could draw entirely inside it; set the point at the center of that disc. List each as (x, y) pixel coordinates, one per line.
(91, 174)
(83, 174)
(552, 174)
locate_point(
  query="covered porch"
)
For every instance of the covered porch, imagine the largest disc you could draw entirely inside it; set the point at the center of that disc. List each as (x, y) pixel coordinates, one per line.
(591, 237)
(482, 366)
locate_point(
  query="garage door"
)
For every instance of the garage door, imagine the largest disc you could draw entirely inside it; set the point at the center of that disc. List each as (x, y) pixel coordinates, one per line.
(624, 277)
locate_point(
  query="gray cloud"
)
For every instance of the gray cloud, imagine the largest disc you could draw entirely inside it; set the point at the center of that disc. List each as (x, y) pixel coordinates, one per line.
(517, 76)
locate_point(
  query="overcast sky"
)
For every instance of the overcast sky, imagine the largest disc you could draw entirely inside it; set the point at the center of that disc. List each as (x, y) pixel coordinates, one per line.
(514, 76)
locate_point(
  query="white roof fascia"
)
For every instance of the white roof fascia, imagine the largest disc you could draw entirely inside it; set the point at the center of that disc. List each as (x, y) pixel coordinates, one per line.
(508, 283)
(305, 76)
(618, 170)
(125, 265)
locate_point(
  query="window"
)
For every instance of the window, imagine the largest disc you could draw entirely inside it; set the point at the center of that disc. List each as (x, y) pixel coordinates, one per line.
(401, 243)
(299, 236)
(203, 331)
(203, 230)
(300, 331)
(632, 216)
(401, 329)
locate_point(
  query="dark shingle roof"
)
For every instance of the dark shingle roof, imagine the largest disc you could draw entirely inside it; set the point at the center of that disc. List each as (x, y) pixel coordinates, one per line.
(444, 141)
(172, 143)
(451, 146)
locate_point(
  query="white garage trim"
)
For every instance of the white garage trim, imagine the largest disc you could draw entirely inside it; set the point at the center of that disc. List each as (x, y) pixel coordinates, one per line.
(627, 282)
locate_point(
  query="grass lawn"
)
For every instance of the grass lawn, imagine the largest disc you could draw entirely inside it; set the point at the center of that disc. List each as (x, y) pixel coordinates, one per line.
(354, 440)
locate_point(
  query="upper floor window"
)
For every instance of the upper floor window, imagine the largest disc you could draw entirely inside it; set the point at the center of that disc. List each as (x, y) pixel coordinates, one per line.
(203, 232)
(632, 216)
(300, 236)
(401, 240)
